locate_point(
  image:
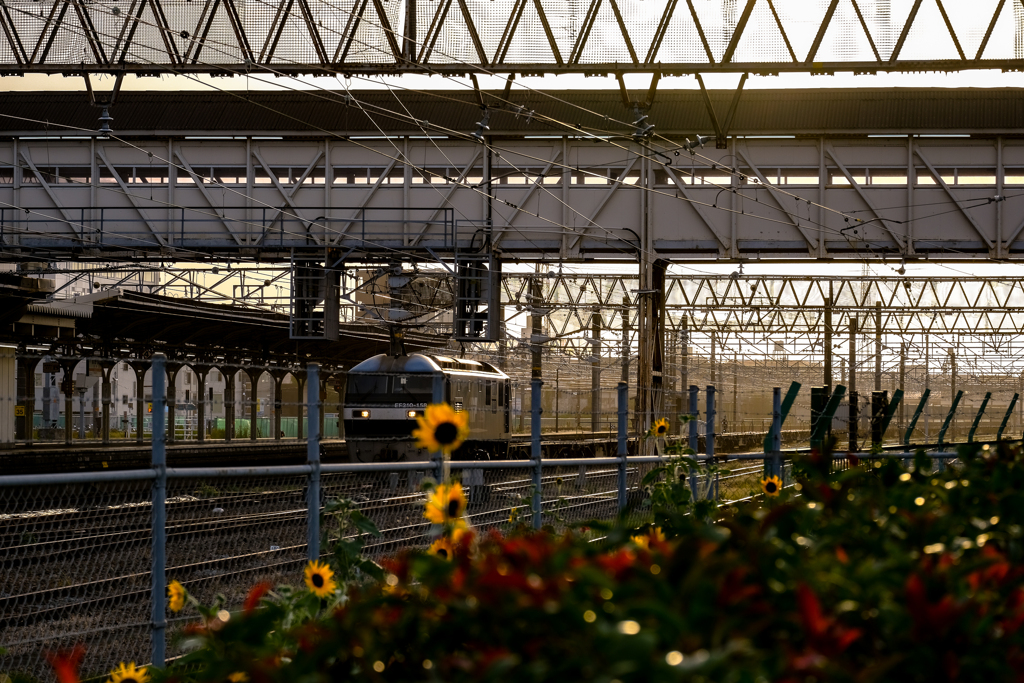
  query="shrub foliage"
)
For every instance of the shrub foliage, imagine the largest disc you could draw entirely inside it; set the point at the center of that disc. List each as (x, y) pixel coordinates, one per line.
(883, 571)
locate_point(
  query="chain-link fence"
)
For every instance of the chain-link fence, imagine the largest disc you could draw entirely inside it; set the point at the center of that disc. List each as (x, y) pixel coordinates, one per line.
(77, 549)
(75, 558)
(86, 556)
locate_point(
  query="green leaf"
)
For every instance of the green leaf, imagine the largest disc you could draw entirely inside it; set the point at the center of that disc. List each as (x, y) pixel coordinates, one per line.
(372, 569)
(364, 524)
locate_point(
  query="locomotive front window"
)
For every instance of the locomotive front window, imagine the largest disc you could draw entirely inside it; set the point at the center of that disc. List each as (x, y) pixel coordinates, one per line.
(414, 389)
(368, 389)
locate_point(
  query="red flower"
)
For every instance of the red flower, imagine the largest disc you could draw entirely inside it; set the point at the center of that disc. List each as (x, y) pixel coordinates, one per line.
(1015, 610)
(617, 563)
(65, 663)
(826, 493)
(252, 600)
(489, 656)
(735, 589)
(195, 629)
(930, 618)
(825, 634)
(994, 574)
(310, 635)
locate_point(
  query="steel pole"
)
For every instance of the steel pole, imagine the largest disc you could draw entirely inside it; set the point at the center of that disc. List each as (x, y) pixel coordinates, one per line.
(313, 460)
(694, 390)
(158, 576)
(776, 440)
(535, 413)
(709, 433)
(623, 434)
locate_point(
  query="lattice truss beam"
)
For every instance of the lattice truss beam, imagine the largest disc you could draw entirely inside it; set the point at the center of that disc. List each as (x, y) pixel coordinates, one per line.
(941, 306)
(920, 322)
(788, 304)
(527, 36)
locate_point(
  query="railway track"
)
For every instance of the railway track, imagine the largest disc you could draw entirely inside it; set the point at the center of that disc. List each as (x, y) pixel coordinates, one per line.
(39, 458)
(399, 517)
(103, 551)
(76, 536)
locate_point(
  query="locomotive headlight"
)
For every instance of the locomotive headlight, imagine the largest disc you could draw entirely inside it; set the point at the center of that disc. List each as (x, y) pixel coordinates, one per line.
(364, 413)
(411, 413)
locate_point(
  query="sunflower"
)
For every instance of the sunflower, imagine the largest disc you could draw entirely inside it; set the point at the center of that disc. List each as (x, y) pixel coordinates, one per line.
(661, 427)
(176, 592)
(128, 674)
(772, 486)
(460, 529)
(318, 579)
(644, 540)
(441, 428)
(446, 504)
(443, 548)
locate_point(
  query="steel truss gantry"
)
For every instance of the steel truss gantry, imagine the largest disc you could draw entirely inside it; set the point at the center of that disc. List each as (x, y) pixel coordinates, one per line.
(781, 305)
(944, 332)
(789, 305)
(502, 36)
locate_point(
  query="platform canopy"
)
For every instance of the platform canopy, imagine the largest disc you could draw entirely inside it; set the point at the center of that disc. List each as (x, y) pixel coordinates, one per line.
(508, 36)
(126, 324)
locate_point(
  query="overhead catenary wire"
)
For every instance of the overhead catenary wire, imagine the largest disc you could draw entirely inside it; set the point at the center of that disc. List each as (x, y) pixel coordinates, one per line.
(158, 28)
(758, 201)
(712, 206)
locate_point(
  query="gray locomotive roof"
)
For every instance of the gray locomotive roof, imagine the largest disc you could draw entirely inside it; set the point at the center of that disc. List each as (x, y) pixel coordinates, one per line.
(382, 362)
(417, 362)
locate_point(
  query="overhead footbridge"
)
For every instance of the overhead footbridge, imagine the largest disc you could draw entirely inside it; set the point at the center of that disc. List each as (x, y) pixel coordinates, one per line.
(384, 175)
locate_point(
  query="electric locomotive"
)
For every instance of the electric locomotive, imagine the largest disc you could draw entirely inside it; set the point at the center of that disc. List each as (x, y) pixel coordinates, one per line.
(385, 394)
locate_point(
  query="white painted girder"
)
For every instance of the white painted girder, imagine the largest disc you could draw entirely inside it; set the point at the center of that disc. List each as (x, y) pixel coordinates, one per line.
(982, 306)
(271, 196)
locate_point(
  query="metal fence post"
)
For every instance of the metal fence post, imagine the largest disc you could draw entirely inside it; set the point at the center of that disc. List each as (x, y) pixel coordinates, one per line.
(158, 574)
(776, 440)
(535, 412)
(709, 434)
(313, 459)
(694, 391)
(623, 396)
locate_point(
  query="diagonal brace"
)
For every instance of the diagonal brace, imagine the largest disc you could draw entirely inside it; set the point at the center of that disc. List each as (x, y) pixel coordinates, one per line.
(917, 415)
(977, 418)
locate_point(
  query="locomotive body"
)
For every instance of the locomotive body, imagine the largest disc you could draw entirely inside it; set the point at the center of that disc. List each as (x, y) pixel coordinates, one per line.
(386, 393)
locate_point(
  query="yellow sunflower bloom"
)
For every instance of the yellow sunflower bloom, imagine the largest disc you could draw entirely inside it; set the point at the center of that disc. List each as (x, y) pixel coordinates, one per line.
(460, 529)
(661, 427)
(771, 486)
(441, 428)
(446, 504)
(443, 548)
(176, 592)
(128, 674)
(319, 579)
(644, 540)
